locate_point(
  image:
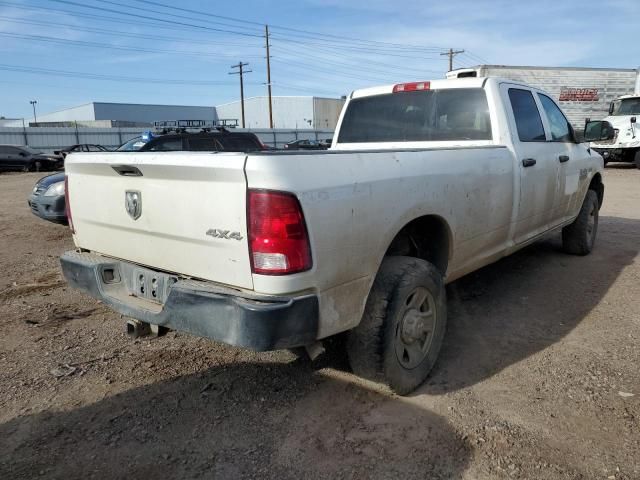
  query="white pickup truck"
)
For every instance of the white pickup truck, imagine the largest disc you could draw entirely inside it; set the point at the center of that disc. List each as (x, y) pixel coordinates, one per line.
(424, 183)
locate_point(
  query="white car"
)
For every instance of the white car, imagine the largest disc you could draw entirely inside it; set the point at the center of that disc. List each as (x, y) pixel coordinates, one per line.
(424, 183)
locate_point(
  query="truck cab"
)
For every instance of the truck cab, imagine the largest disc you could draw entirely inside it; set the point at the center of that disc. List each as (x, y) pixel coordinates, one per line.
(624, 112)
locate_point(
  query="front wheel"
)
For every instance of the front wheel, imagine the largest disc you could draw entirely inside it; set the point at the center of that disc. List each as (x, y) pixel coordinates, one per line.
(636, 159)
(402, 329)
(579, 237)
(34, 167)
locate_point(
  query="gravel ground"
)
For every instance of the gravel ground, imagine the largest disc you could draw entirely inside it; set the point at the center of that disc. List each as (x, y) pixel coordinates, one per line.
(538, 378)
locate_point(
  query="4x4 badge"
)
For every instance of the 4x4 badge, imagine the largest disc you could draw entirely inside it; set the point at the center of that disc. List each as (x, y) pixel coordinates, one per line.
(133, 203)
(226, 234)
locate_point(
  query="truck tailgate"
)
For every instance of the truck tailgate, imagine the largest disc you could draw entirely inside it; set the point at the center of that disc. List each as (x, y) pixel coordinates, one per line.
(192, 217)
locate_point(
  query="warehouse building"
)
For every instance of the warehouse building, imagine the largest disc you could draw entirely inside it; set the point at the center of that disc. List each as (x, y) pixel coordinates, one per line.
(288, 112)
(104, 114)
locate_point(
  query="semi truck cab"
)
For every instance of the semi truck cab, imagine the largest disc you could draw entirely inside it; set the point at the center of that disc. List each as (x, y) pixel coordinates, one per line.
(624, 113)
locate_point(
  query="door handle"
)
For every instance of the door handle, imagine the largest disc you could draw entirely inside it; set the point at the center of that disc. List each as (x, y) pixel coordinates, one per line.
(563, 158)
(127, 170)
(528, 162)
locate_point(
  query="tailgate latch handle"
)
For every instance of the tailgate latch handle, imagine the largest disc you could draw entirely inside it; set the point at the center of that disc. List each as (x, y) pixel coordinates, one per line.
(127, 170)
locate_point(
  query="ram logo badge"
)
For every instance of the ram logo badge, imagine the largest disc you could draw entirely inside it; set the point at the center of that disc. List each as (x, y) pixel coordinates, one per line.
(226, 234)
(133, 203)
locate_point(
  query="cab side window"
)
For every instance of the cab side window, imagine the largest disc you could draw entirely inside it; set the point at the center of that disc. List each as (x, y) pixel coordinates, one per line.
(560, 129)
(527, 116)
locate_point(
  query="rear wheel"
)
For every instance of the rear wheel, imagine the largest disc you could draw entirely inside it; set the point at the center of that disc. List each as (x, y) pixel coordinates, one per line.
(402, 329)
(636, 159)
(579, 237)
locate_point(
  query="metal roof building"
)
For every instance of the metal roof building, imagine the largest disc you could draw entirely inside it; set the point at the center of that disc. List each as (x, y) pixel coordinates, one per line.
(288, 112)
(105, 113)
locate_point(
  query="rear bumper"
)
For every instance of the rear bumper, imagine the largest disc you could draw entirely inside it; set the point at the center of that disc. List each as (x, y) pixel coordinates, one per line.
(201, 308)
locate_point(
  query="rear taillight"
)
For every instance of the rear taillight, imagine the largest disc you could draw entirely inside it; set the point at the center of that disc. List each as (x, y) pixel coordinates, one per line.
(411, 87)
(278, 239)
(67, 204)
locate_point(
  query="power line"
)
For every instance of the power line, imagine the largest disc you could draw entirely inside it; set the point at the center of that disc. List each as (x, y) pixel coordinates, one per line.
(119, 33)
(382, 67)
(307, 32)
(116, 78)
(119, 4)
(129, 14)
(84, 43)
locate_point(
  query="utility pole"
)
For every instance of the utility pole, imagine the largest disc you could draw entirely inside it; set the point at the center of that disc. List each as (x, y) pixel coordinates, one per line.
(33, 104)
(240, 66)
(266, 36)
(452, 53)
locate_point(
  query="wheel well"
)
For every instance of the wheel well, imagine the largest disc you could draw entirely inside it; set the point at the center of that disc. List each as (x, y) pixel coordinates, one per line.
(425, 237)
(597, 186)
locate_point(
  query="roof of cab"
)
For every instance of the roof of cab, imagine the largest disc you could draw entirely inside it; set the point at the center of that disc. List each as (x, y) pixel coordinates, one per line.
(449, 83)
(468, 82)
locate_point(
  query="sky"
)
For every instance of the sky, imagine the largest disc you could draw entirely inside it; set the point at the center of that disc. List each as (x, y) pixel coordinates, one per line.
(64, 53)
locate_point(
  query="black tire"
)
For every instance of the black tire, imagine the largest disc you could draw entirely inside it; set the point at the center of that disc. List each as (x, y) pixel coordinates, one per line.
(398, 341)
(636, 159)
(33, 167)
(579, 237)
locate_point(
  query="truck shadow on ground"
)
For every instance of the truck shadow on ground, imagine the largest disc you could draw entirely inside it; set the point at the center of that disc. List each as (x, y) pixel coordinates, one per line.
(524, 303)
(243, 420)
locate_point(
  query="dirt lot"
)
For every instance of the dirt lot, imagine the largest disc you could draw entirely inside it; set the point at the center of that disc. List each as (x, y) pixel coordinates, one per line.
(539, 377)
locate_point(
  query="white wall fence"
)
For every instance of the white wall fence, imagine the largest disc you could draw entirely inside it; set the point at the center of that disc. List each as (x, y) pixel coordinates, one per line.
(48, 139)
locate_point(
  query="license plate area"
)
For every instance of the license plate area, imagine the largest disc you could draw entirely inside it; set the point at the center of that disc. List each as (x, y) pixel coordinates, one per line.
(149, 284)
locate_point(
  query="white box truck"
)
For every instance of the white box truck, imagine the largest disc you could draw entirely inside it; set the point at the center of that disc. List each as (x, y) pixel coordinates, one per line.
(581, 92)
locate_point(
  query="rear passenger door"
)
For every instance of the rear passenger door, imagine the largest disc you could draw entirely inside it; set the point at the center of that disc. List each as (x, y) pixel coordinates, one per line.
(536, 162)
(569, 155)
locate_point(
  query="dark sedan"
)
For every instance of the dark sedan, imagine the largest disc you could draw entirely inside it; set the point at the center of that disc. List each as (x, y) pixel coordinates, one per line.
(47, 199)
(83, 147)
(26, 159)
(304, 145)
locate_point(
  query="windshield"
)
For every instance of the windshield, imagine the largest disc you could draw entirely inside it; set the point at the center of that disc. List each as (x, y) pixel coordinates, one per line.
(132, 145)
(432, 115)
(628, 106)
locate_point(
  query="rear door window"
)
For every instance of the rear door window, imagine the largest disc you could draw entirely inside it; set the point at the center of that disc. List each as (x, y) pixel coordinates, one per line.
(527, 116)
(167, 145)
(239, 143)
(428, 115)
(204, 144)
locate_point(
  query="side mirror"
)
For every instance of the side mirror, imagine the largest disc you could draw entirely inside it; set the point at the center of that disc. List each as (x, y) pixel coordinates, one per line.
(633, 119)
(598, 131)
(22, 154)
